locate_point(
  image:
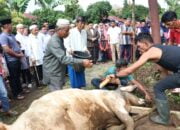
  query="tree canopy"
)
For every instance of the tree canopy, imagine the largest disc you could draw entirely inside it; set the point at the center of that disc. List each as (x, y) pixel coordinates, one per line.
(96, 10)
(141, 12)
(47, 15)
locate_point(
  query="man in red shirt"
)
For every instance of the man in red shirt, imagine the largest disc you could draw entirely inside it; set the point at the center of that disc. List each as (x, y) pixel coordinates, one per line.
(174, 37)
(169, 18)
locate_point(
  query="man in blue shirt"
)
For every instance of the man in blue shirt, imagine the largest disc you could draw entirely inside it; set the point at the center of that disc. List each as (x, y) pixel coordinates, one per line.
(123, 81)
(12, 55)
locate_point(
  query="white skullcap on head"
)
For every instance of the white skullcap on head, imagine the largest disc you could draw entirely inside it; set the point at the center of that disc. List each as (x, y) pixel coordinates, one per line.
(19, 26)
(95, 25)
(72, 25)
(62, 23)
(33, 27)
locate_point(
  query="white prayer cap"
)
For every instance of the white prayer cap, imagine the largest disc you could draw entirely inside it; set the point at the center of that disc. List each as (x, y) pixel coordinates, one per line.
(95, 25)
(62, 23)
(19, 26)
(72, 25)
(33, 27)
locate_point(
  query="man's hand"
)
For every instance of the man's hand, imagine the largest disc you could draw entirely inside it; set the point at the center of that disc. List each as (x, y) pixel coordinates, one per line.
(5, 74)
(93, 39)
(70, 51)
(33, 62)
(87, 63)
(148, 98)
(19, 55)
(110, 76)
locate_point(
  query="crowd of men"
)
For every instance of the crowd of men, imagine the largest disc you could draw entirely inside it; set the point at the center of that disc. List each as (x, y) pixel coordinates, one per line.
(48, 52)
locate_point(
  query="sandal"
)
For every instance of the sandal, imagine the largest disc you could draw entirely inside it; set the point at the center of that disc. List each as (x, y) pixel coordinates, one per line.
(26, 91)
(20, 97)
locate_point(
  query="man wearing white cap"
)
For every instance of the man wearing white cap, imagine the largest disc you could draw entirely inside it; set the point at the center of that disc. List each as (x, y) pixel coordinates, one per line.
(55, 59)
(26, 76)
(36, 53)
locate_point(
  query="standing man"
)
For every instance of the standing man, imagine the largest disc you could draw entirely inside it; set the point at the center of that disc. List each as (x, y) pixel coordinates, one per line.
(43, 34)
(55, 59)
(13, 55)
(113, 38)
(23, 41)
(168, 58)
(77, 41)
(92, 43)
(126, 43)
(174, 34)
(36, 53)
(169, 18)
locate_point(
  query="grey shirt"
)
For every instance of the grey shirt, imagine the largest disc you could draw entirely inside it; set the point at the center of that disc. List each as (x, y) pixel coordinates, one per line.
(10, 41)
(55, 59)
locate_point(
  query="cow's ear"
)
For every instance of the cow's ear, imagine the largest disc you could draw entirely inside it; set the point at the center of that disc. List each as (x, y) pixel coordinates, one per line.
(2, 126)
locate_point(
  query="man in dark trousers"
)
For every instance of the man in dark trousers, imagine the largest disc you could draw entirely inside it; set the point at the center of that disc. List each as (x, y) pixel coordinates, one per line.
(92, 42)
(13, 55)
(168, 58)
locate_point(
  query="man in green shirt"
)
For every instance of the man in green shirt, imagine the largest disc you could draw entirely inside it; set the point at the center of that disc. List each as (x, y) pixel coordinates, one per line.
(120, 81)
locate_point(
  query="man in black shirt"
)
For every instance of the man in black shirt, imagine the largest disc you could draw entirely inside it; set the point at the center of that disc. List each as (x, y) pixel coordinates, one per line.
(168, 58)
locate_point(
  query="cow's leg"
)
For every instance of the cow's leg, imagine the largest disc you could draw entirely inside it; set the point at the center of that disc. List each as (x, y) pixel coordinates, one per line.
(116, 127)
(124, 116)
(134, 100)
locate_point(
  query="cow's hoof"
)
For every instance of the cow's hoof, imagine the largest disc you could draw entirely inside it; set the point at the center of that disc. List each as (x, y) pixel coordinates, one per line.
(141, 101)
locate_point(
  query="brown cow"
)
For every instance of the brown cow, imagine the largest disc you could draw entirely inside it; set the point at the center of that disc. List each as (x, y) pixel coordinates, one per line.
(75, 109)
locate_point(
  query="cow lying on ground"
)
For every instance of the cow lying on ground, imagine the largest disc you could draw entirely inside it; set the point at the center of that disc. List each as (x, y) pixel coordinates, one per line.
(74, 109)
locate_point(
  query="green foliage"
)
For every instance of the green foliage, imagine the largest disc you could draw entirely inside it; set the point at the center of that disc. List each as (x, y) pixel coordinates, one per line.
(53, 3)
(174, 5)
(95, 11)
(73, 10)
(8, 10)
(18, 5)
(174, 97)
(141, 12)
(48, 15)
(5, 10)
(115, 12)
(125, 4)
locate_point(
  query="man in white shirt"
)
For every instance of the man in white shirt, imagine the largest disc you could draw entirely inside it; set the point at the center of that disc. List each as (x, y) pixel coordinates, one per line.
(126, 40)
(44, 36)
(36, 52)
(113, 37)
(23, 41)
(77, 41)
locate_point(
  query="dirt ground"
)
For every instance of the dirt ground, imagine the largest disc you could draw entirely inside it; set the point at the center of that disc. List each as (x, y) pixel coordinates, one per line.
(96, 71)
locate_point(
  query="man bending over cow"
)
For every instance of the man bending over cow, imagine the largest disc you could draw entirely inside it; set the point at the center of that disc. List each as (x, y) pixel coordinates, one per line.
(168, 58)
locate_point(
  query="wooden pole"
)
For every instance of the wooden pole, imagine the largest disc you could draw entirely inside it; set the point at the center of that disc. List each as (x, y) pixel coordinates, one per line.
(155, 24)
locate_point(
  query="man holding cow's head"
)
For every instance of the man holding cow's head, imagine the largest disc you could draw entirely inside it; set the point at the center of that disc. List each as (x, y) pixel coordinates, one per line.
(168, 58)
(55, 59)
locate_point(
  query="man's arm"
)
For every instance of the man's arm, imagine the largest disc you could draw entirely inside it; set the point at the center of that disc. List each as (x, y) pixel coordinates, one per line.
(11, 52)
(58, 52)
(127, 33)
(152, 54)
(141, 88)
